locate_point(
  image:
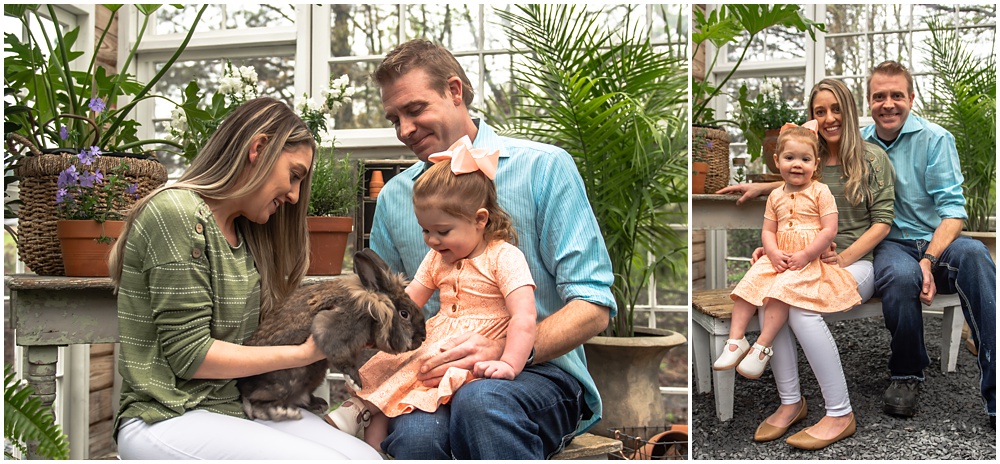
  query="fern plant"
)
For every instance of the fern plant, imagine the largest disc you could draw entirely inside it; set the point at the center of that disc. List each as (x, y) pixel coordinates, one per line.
(26, 420)
(619, 107)
(962, 99)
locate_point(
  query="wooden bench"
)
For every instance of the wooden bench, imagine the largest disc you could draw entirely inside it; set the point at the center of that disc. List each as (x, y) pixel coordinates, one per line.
(713, 313)
(590, 447)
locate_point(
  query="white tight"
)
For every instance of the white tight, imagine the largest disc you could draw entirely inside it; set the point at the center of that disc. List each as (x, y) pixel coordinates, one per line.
(820, 350)
(199, 434)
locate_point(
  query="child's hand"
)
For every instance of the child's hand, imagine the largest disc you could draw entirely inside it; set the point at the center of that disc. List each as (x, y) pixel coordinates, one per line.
(798, 260)
(494, 370)
(779, 260)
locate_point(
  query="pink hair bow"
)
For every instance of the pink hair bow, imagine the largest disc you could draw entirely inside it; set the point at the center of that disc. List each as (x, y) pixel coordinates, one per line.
(465, 159)
(811, 124)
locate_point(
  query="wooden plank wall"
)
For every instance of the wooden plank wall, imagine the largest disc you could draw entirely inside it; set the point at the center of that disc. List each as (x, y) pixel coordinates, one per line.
(697, 260)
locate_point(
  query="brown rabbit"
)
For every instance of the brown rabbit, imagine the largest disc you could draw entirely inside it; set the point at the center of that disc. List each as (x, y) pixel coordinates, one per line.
(345, 315)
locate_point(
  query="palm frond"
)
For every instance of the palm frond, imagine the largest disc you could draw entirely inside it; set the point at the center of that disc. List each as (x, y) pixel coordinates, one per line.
(26, 420)
(618, 106)
(962, 99)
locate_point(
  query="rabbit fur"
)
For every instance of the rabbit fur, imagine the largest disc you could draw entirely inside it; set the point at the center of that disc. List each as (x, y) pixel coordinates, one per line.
(346, 315)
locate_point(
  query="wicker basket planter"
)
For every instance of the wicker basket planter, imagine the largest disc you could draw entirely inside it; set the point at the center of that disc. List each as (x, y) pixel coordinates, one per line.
(711, 145)
(37, 242)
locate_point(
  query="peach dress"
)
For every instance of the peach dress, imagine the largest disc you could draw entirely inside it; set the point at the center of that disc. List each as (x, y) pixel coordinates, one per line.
(819, 286)
(472, 300)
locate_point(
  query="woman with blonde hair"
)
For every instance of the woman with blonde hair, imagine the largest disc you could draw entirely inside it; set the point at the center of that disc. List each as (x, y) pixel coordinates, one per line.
(860, 177)
(197, 265)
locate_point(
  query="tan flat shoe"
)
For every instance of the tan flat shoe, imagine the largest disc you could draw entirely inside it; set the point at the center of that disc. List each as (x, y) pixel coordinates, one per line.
(803, 440)
(768, 432)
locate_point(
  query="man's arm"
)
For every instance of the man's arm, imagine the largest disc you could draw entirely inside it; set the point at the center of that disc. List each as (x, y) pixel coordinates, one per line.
(568, 328)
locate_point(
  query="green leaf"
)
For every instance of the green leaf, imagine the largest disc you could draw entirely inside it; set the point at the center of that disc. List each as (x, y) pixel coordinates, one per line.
(26, 420)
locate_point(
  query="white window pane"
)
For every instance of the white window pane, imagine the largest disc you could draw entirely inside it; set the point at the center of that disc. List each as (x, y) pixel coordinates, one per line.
(846, 18)
(847, 56)
(364, 111)
(363, 29)
(495, 39)
(922, 14)
(890, 16)
(455, 26)
(893, 46)
(171, 20)
(259, 15)
(498, 83)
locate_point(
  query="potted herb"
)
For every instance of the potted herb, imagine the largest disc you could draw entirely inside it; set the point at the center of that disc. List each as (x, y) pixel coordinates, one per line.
(962, 99)
(721, 26)
(619, 107)
(761, 119)
(336, 183)
(54, 108)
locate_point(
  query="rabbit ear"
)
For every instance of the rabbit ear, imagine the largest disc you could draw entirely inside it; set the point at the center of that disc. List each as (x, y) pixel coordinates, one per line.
(371, 269)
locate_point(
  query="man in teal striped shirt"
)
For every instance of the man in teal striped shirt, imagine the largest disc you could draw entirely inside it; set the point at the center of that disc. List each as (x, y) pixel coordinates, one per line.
(924, 253)
(426, 95)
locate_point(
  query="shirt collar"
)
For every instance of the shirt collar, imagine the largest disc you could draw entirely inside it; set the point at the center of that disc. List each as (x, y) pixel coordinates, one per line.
(486, 138)
(913, 123)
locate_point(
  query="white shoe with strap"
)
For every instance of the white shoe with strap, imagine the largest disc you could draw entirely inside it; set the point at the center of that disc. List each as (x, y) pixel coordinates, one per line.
(352, 417)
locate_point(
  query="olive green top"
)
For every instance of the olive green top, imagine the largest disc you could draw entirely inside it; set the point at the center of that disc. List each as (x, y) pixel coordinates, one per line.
(853, 221)
(182, 287)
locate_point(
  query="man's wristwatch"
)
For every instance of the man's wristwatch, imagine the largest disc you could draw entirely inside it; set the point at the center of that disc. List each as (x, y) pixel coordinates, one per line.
(929, 257)
(531, 358)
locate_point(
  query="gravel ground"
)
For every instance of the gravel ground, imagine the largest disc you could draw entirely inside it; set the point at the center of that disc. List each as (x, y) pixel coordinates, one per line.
(949, 423)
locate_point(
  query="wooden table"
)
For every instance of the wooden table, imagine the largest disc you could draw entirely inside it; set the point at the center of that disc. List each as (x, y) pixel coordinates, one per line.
(49, 312)
(715, 214)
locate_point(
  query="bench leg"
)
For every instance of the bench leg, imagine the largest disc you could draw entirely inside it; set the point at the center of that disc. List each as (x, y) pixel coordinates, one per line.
(951, 337)
(701, 349)
(725, 383)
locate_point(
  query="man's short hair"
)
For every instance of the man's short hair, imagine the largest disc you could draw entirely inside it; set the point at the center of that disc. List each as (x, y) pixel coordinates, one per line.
(890, 68)
(434, 59)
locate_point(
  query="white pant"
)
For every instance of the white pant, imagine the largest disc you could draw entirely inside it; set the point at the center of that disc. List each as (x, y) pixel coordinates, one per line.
(200, 434)
(820, 350)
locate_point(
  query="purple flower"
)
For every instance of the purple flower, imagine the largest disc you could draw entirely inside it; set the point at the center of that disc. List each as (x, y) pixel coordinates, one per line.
(68, 177)
(708, 144)
(97, 105)
(61, 195)
(133, 189)
(63, 133)
(88, 179)
(87, 157)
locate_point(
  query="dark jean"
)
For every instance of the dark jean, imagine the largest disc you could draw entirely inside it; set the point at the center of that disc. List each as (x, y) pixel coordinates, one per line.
(965, 267)
(531, 417)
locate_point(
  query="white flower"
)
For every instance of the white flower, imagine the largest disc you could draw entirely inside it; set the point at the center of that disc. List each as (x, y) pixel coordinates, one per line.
(179, 120)
(349, 92)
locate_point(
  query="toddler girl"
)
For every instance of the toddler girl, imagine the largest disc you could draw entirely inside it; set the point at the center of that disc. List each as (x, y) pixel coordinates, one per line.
(485, 287)
(800, 222)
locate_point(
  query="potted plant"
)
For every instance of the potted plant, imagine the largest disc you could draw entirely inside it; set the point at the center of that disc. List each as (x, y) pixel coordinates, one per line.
(91, 199)
(721, 26)
(336, 183)
(55, 107)
(761, 119)
(962, 99)
(619, 107)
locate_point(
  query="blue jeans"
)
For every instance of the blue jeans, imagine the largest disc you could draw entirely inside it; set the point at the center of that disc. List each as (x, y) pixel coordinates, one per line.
(965, 267)
(531, 417)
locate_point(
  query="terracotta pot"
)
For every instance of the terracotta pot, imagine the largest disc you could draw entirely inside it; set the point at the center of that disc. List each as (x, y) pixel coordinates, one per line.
(375, 184)
(327, 243)
(83, 255)
(626, 371)
(769, 147)
(699, 169)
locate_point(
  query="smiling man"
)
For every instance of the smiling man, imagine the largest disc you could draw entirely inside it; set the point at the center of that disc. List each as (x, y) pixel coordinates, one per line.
(924, 253)
(426, 95)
